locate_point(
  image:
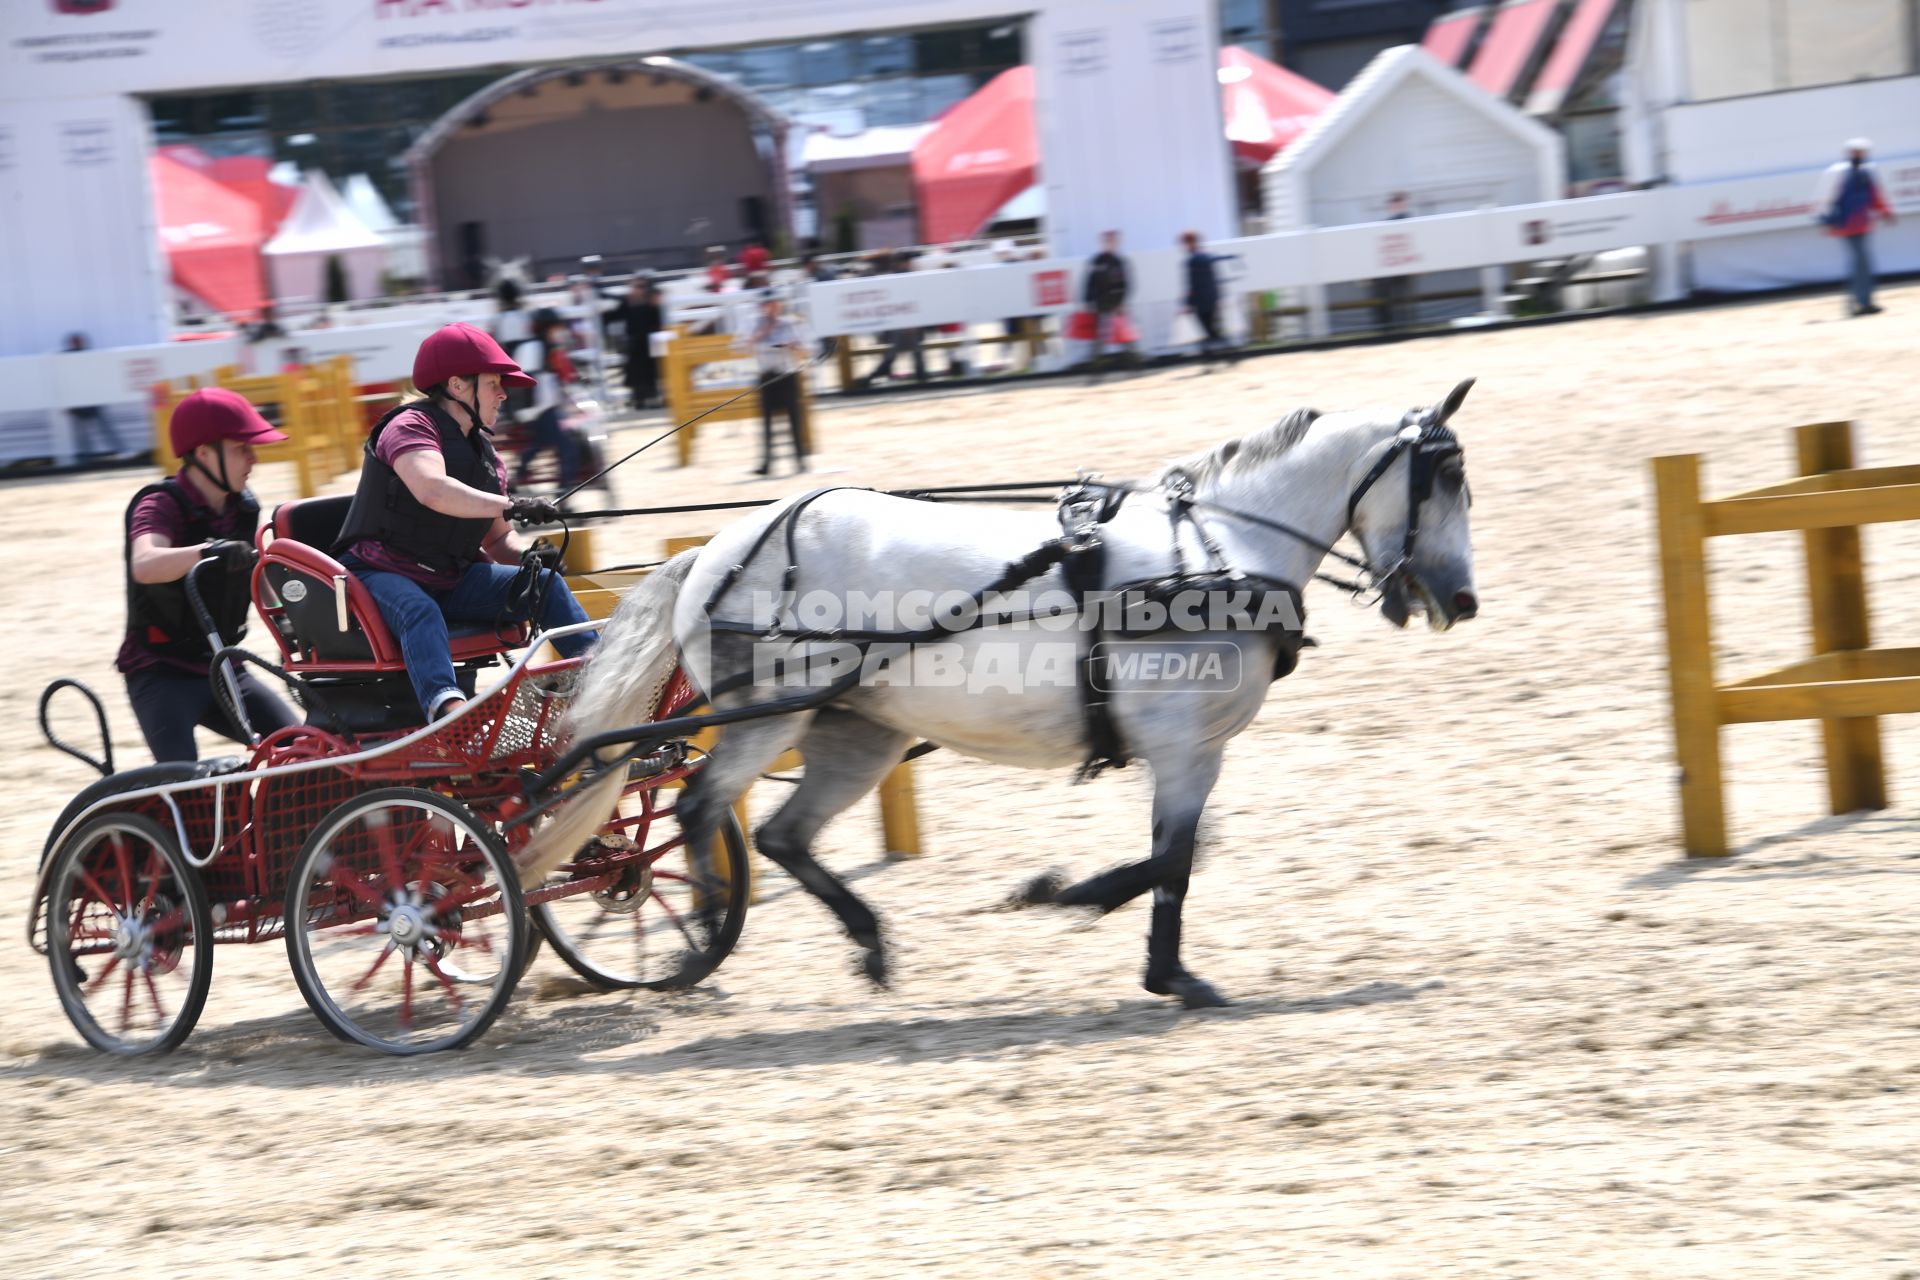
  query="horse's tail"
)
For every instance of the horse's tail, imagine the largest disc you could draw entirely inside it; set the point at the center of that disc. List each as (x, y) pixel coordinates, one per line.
(620, 685)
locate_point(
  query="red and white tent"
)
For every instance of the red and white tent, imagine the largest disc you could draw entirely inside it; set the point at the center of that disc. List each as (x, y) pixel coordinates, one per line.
(985, 152)
(211, 233)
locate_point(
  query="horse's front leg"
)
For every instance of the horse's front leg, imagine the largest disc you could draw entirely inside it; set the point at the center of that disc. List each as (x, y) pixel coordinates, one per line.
(1179, 794)
(1180, 790)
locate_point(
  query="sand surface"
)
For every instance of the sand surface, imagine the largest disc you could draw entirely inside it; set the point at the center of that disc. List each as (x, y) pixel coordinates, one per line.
(1487, 1021)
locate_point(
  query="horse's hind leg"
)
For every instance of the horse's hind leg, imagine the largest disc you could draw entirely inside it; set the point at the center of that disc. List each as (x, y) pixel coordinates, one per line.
(847, 756)
(745, 751)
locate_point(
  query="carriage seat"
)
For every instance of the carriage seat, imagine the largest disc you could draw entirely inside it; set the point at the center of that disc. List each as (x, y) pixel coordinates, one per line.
(306, 595)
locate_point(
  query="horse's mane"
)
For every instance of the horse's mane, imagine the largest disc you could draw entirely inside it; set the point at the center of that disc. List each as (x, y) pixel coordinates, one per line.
(1264, 445)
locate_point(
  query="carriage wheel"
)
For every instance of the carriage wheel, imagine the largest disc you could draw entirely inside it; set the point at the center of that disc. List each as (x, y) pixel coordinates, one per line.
(129, 936)
(664, 918)
(406, 929)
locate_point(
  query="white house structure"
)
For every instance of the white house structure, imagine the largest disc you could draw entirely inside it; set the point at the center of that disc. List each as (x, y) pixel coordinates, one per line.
(1408, 126)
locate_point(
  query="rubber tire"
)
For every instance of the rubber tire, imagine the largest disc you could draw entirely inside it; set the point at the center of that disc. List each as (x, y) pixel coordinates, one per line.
(740, 891)
(199, 918)
(515, 912)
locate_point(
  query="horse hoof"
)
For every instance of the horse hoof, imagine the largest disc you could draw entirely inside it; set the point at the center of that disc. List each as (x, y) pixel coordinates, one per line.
(1196, 993)
(874, 966)
(1042, 890)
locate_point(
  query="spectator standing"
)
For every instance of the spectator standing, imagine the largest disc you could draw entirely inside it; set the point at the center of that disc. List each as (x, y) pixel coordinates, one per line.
(755, 263)
(1203, 292)
(552, 397)
(267, 327)
(899, 341)
(817, 271)
(640, 312)
(1107, 287)
(781, 354)
(1393, 292)
(718, 272)
(90, 424)
(1850, 199)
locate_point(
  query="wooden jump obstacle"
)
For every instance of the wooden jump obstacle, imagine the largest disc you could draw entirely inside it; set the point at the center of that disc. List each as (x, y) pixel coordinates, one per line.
(1846, 685)
(686, 355)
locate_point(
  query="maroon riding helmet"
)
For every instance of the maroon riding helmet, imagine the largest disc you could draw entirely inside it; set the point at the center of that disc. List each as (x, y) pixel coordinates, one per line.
(463, 351)
(212, 414)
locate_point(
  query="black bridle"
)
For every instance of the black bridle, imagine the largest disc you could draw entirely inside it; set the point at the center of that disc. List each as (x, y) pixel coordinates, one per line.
(1427, 443)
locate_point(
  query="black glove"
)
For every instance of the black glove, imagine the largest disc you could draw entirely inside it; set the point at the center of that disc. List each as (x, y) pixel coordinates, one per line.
(546, 555)
(533, 511)
(234, 556)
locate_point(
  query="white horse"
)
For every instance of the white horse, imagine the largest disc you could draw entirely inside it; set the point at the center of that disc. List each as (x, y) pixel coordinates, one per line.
(1269, 507)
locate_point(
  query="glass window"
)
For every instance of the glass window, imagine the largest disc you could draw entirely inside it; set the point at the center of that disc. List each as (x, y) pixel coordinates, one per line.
(1003, 46)
(242, 110)
(1837, 41)
(827, 62)
(369, 151)
(726, 63)
(885, 55)
(1731, 52)
(937, 93)
(949, 50)
(890, 102)
(772, 67)
(172, 118)
(294, 110)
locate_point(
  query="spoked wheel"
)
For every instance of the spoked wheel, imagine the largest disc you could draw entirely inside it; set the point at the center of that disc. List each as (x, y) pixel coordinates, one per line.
(129, 936)
(658, 914)
(406, 929)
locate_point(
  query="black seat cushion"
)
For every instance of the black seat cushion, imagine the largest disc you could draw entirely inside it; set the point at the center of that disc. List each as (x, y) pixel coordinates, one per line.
(314, 521)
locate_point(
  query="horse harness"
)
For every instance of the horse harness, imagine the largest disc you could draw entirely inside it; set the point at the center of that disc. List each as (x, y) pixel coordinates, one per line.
(1080, 554)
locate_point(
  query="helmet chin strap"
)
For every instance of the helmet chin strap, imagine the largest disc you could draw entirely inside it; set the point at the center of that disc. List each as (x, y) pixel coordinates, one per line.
(472, 406)
(221, 481)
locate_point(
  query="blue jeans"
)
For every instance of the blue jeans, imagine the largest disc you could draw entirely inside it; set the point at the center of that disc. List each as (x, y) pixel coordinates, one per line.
(418, 618)
(1861, 264)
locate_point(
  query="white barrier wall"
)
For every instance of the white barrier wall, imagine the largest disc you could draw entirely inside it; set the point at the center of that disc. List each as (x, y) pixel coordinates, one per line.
(79, 239)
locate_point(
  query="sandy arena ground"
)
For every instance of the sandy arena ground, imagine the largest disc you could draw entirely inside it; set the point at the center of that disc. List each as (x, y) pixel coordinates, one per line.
(1487, 1022)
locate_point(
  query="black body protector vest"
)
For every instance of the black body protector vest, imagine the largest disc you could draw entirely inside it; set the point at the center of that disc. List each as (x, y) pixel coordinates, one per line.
(160, 614)
(386, 511)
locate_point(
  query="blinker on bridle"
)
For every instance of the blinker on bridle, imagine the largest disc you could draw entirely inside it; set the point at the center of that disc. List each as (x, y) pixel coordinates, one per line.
(1428, 442)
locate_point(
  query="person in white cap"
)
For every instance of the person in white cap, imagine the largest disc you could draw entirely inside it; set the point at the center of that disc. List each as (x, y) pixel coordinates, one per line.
(1849, 201)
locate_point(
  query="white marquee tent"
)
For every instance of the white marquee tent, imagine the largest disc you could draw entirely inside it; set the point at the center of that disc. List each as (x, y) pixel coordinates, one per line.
(406, 243)
(318, 227)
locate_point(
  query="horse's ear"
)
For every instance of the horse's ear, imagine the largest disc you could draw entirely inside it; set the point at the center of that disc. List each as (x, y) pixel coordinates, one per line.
(1227, 451)
(1446, 408)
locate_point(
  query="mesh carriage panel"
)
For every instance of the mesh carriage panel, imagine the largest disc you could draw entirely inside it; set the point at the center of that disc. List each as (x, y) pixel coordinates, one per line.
(286, 810)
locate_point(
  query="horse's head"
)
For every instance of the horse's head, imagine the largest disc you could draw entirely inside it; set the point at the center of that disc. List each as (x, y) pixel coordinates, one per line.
(1409, 511)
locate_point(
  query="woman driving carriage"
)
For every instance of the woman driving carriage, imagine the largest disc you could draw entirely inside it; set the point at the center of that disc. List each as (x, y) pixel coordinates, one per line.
(428, 530)
(204, 512)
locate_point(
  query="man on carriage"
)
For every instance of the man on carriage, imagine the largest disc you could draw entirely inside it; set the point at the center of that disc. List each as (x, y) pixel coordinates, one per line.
(428, 530)
(204, 512)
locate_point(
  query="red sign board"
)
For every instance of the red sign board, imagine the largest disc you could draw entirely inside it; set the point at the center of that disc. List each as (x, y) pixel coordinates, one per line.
(1049, 288)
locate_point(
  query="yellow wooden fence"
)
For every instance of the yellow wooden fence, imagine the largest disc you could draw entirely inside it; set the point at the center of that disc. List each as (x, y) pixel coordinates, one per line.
(1846, 684)
(687, 396)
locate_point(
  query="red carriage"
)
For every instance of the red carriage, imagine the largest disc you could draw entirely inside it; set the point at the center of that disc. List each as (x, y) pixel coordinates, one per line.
(380, 849)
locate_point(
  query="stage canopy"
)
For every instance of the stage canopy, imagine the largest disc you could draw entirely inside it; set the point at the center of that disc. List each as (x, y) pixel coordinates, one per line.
(983, 153)
(211, 233)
